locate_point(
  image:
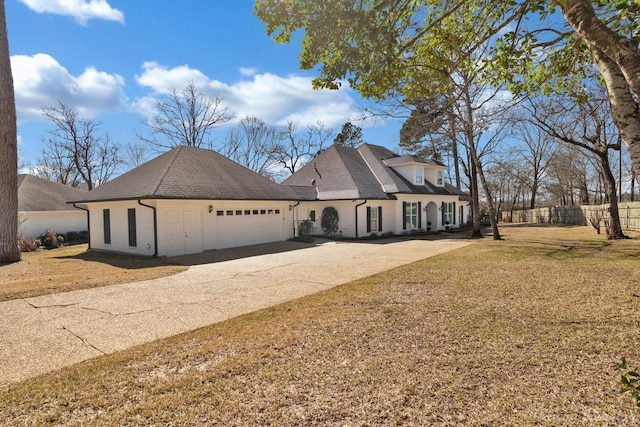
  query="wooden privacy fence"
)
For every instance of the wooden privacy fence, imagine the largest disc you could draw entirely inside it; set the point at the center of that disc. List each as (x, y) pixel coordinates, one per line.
(578, 215)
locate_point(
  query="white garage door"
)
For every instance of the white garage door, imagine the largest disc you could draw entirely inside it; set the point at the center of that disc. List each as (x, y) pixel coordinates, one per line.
(249, 227)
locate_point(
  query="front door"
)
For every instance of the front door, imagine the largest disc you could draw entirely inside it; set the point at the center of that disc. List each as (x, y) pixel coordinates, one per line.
(192, 232)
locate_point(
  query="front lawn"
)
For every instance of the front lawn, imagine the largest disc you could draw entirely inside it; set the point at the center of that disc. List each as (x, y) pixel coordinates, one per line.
(70, 268)
(526, 331)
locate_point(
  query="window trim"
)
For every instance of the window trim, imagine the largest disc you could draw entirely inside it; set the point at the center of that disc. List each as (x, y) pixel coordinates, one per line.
(408, 214)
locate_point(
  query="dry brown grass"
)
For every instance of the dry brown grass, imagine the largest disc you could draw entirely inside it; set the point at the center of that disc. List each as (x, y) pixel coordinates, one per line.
(72, 267)
(525, 331)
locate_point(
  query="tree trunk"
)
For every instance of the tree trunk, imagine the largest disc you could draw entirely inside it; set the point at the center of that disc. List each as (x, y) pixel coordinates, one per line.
(9, 250)
(614, 231)
(618, 60)
(475, 204)
(493, 214)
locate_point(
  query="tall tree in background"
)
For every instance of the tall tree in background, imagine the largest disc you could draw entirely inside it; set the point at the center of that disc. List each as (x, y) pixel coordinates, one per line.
(535, 152)
(185, 117)
(253, 144)
(589, 126)
(56, 164)
(76, 145)
(349, 136)
(9, 251)
(297, 148)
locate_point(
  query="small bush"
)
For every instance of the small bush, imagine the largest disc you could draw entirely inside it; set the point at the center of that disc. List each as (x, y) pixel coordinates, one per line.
(28, 244)
(630, 381)
(329, 221)
(51, 240)
(305, 228)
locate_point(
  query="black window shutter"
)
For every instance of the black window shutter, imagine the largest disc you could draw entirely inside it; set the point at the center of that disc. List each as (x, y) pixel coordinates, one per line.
(368, 219)
(380, 218)
(106, 225)
(404, 215)
(454, 212)
(442, 211)
(419, 214)
(133, 238)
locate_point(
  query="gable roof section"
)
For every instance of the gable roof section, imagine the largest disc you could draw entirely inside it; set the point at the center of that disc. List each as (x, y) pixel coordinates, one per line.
(340, 173)
(190, 173)
(37, 194)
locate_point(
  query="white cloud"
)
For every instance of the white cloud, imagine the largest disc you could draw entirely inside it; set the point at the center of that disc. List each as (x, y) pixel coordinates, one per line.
(80, 10)
(40, 81)
(248, 72)
(274, 99)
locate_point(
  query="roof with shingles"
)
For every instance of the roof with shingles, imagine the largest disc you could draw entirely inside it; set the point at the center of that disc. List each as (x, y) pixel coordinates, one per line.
(41, 195)
(190, 173)
(340, 173)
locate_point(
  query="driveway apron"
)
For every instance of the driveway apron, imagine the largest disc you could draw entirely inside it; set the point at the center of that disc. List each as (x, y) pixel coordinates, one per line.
(42, 334)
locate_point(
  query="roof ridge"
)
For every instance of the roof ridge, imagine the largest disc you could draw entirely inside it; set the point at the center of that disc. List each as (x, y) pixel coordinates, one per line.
(166, 170)
(384, 190)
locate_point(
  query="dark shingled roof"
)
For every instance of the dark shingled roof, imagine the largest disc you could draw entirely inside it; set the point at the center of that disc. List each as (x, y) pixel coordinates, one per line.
(362, 173)
(190, 173)
(37, 194)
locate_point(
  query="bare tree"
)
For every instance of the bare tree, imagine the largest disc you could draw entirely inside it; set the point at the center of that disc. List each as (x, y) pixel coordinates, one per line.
(536, 151)
(253, 144)
(297, 148)
(9, 251)
(77, 140)
(134, 155)
(589, 126)
(56, 164)
(185, 117)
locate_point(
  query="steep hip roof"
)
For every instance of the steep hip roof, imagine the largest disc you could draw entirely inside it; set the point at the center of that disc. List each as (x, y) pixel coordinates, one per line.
(340, 173)
(190, 173)
(37, 194)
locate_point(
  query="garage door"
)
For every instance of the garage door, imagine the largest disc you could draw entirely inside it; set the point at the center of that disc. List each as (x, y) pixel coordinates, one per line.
(249, 227)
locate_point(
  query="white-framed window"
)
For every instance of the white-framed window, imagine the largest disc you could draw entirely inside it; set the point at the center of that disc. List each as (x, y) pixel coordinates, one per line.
(449, 212)
(411, 215)
(440, 178)
(419, 176)
(373, 219)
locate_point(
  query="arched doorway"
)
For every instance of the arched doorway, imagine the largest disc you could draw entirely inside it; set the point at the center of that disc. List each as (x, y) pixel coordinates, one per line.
(432, 216)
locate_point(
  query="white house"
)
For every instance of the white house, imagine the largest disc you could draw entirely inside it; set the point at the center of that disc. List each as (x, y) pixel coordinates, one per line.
(42, 206)
(377, 191)
(185, 201)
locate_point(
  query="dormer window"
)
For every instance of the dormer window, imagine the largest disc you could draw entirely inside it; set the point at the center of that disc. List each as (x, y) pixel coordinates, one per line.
(440, 178)
(419, 176)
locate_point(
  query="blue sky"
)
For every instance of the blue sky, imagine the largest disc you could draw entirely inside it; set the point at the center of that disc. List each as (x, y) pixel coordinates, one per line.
(111, 59)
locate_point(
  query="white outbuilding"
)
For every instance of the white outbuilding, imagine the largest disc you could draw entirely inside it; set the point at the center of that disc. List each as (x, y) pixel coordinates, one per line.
(186, 201)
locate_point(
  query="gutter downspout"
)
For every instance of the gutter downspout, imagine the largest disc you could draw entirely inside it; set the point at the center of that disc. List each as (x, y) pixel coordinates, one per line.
(155, 228)
(360, 204)
(88, 224)
(293, 213)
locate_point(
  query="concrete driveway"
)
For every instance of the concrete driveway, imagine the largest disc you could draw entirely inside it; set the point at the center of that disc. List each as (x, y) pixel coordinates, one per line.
(42, 334)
